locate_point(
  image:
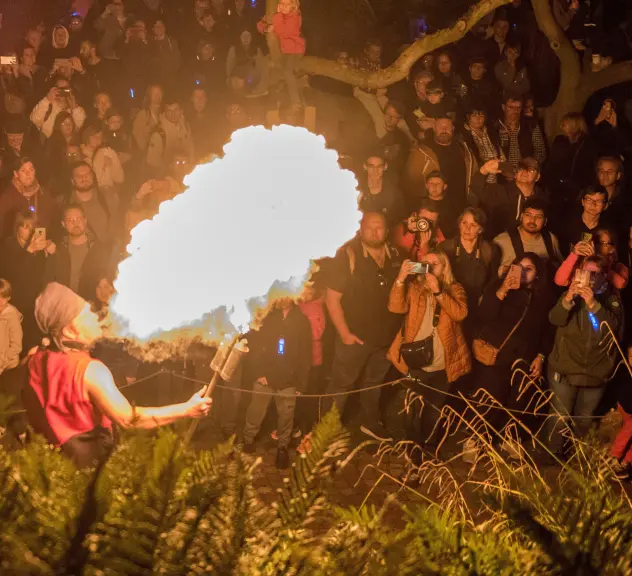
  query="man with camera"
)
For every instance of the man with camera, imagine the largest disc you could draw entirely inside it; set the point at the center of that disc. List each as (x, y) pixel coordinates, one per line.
(359, 281)
(59, 98)
(420, 233)
(582, 360)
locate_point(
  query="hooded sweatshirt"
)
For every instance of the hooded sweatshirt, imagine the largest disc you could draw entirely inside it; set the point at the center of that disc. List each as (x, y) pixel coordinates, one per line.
(10, 338)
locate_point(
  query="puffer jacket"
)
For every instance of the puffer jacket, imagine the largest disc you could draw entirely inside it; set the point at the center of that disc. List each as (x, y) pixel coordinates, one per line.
(10, 338)
(578, 351)
(412, 302)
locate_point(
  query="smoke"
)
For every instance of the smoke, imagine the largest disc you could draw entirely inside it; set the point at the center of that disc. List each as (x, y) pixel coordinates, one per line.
(244, 233)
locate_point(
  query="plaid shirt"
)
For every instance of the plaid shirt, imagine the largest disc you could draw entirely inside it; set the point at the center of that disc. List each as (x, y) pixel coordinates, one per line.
(509, 137)
(486, 149)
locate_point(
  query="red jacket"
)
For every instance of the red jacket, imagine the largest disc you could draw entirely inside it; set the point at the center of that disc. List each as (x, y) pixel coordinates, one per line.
(288, 30)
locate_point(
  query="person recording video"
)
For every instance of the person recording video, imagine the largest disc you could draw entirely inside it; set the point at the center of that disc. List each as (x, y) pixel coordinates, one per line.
(59, 98)
(420, 233)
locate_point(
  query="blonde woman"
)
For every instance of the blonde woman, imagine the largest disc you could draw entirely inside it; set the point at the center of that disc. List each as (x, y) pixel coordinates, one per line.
(431, 346)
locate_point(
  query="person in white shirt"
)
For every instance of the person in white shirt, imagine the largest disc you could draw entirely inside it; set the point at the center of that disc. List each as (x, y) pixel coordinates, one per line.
(58, 99)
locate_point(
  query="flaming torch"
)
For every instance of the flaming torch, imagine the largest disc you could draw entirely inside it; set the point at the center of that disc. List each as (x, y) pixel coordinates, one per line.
(244, 233)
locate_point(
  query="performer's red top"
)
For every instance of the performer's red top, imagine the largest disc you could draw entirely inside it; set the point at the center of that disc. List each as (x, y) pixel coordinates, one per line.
(57, 404)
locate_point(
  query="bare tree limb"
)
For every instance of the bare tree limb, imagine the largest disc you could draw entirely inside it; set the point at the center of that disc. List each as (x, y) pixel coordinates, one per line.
(563, 48)
(613, 74)
(400, 68)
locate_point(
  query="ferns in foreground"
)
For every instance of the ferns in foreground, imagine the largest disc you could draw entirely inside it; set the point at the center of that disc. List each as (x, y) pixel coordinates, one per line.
(155, 508)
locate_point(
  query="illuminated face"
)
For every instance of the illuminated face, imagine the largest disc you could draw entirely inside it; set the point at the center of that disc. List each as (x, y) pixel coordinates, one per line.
(444, 130)
(159, 29)
(85, 328)
(533, 220)
(59, 36)
(83, 178)
(34, 39)
(512, 110)
(85, 50)
(528, 272)
(436, 187)
(391, 118)
(29, 56)
(25, 231)
(444, 64)
(15, 140)
(608, 173)
(420, 85)
(527, 176)
(26, 175)
(114, 123)
(199, 99)
(477, 70)
(155, 96)
(373, 230)
(173, 113)
(605, 245)
(477, 119)
(594, 204)
(436, 266)
(74, 223)
(375, 168)
(469, 229)
(501, 29)
(435, 97)
(102, 103)
(67, 128)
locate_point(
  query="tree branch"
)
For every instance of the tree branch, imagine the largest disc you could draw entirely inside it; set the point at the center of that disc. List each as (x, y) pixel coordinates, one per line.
(613, 74)
(401, 67)
(563, 48)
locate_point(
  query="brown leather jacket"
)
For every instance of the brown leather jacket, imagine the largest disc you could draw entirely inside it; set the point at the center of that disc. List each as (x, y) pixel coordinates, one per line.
(412, 302)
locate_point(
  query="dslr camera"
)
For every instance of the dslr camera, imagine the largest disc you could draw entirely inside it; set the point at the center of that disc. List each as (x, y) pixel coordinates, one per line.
(419, 224)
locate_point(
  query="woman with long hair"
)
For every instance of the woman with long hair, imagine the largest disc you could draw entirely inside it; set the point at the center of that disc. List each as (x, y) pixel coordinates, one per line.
(604, 243)
(23, 259)
(63, 139)
(246, 67)
(446, 73)
(430, 347)
(148, 117)
(514, 325)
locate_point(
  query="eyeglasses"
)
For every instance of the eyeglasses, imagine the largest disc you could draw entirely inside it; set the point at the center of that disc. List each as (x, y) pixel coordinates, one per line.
(605, 243)
(594, 202)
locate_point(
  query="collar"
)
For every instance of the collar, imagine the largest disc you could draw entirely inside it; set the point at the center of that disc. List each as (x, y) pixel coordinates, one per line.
(365, 250)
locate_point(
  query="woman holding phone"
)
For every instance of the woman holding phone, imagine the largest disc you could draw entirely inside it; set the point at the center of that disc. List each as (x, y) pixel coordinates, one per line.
(430, 347)
(515, 326)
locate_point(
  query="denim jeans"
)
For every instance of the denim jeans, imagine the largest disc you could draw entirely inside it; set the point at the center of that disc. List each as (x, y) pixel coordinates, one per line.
(570, 401)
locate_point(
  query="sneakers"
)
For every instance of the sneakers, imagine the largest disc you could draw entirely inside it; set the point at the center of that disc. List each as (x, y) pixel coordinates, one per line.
(282, 459)
(380, 434)
(470, 451)
(296, 434)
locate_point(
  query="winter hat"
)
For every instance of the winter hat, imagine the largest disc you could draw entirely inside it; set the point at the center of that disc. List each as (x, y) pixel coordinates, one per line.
(56, 307)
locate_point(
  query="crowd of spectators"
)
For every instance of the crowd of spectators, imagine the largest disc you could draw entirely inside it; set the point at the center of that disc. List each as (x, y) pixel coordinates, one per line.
(480, 247)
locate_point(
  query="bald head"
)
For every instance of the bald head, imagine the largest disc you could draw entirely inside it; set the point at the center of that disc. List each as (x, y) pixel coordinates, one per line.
(373, 229)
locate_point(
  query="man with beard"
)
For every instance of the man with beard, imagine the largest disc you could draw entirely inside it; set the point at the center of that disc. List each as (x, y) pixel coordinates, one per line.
(85, 194)
(81, 262)
(101, 73)
(519, 136)
(359, 281)
(449, 156)
(72, 399)
(529, 236)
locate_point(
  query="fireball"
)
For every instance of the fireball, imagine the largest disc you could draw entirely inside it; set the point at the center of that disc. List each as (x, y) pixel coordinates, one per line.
(245, 232)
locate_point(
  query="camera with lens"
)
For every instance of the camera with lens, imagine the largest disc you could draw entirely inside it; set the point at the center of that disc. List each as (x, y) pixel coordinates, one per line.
(419, 224)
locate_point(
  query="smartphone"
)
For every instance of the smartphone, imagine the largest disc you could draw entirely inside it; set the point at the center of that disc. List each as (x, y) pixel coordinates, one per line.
(420, 268)
(281, 347)
(515, 271)
(587, 237)
(63, 62)
(8, 60)
(131, 93)
(582, 278)
(39, 234)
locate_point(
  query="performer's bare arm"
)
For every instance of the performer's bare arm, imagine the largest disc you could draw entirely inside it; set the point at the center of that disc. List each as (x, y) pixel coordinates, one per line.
(104, 393)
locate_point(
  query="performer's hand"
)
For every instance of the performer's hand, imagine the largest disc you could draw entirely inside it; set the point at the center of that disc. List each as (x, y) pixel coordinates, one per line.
(199, 406)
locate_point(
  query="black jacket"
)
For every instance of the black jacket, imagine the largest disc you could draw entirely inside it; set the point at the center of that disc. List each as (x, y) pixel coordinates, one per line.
(498, 317)
(281, 350)
(96, 266)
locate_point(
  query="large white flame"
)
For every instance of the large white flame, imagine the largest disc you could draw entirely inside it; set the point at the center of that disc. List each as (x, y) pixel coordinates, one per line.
(249, 221)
